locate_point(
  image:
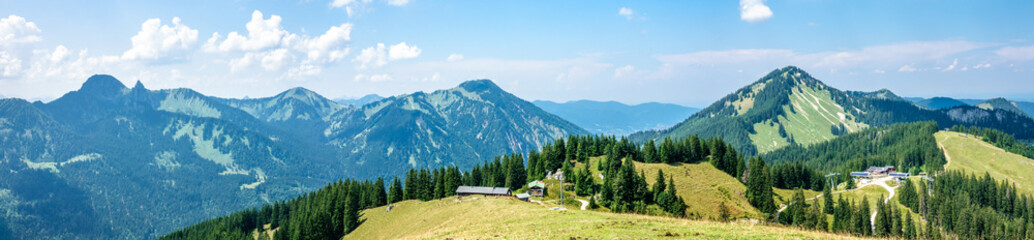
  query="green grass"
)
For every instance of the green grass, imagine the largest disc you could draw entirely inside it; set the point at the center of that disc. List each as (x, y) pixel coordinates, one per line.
(814, 112)
(972, 155)
(702, 186)
(502, 218)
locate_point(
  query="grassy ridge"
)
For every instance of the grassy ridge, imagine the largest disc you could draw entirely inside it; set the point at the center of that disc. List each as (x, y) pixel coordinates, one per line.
(972, 155)
(484, 218)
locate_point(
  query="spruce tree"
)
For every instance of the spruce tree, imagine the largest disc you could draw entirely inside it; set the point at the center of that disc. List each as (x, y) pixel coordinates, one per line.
(827, 199)
(723, 212)
(395, 191)
(909, 226)
(658, 185)
(380, 196)
(863, 214)
(882, 226)
(649, 152)
(759, 187)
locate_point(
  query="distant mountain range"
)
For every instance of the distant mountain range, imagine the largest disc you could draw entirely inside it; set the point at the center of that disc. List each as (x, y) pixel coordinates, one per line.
(1026, 108)
(614, 118)
(355, 102)
(788, 106)
(107, 161)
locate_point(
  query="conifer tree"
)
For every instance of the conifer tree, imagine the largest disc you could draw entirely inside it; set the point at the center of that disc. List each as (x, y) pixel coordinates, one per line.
(827, 198)
(865, 226)
(649, 152)
(380, 196)
(395, 191)
(759, 187)
(658, 185)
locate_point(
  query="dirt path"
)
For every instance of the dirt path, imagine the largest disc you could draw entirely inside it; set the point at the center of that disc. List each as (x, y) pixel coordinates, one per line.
(584, 203)
(882, 182)
(947, 157)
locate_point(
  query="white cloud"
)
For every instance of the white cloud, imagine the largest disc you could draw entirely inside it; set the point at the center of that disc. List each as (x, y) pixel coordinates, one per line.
(267, 44)
(879, 71)
(271, 60)
(329, 47)
(379, 55)
(952, 66)
(156, 41)
(627, 12)
(1024, 53)
(340, 3)
(10, 66)
(710, 58)
(15, 29)
(454, 57)
(380, 78)
(262, 34)
(623, 71)
(59, 54)
(979, 66)
(372, 57)
(402, 51)
(373, 78)
(907, 68)
(754, 11)
(398, 2)
(892, 54)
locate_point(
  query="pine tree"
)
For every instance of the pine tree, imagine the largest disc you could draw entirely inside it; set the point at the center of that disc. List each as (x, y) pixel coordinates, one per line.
(909, 226)
(865, 228)
(818, 218)
(380, 196)
(395, 191)
(895, 218)
(759, 187)
(658, 185)
(649, 152)
(352, 215)
(882, 226)
(723, 212)
(797, 208)
(827, 198)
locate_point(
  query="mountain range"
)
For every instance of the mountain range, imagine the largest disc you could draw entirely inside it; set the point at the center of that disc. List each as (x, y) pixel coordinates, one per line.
(935, 103)
(614, 118)
(107, 161)
(788, 106)
(355, 102)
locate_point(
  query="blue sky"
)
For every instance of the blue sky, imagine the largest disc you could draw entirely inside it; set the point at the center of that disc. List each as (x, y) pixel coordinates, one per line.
(684, 52)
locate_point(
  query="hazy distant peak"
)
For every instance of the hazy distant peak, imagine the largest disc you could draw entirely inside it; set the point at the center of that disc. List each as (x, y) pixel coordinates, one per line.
(480, 85)
(139, 86)
(102, 84)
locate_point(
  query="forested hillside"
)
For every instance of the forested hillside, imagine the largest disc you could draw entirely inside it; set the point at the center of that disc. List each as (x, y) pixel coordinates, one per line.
(911, 147)
(125, 158)
(788, 107)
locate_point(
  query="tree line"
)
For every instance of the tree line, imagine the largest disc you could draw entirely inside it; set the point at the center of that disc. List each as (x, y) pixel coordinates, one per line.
(909, 147)
(328, 213)
(998, 139)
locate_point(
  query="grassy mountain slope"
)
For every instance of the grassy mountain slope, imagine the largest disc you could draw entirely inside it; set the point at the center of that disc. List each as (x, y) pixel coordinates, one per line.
(751, 117)
(970, 154)
(483, 218)
(703, 187)
(1001, 103)
(614, 118)
(810, 112)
